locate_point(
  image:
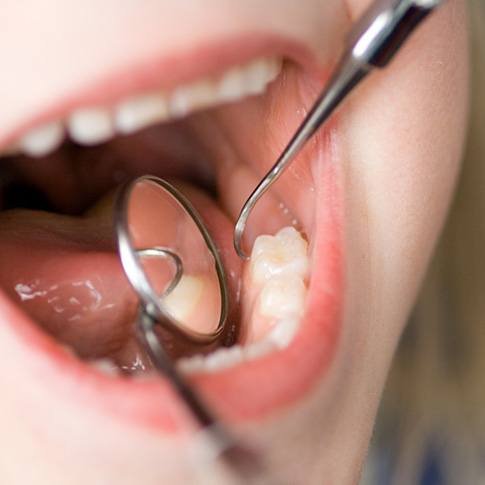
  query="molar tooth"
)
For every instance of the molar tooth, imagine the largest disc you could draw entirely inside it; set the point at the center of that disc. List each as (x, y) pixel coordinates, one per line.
(283, 254)
(231, 85)
(289, 235)
(274, 68)
(283, 332)
(182, 301)
(223, 358)
(282, 297)
(42, 140)
(190, 365)
(141, 111)
(90, 126)
(258, 349)
(191, 97)
(258, 74)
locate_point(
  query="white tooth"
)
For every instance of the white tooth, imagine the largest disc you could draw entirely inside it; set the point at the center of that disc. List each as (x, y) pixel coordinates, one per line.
(283, 254)
(42, 140)
(274, 68)
(255, 76)
(282, 297)
(283, 332)
(232, 85)
(258, 349)
(183, 300)
(186, 99)
(94, 125)
(190, 365)
(223, 358)
(220, 359)
(258, 74)
(136, 113)
(90, 126)
(105, 366)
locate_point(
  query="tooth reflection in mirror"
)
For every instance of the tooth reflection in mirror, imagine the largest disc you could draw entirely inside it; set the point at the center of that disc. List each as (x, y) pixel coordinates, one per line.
(172, 263)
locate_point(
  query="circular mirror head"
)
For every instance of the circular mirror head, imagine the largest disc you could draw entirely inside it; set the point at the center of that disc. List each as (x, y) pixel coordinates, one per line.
(170, 259)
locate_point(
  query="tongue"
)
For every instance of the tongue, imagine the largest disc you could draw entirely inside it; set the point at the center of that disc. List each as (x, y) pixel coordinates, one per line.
(65, 273)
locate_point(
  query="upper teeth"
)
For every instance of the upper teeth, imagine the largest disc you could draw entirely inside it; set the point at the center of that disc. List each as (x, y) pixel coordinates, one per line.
(92, 125)
(43, 139)
(135, 113)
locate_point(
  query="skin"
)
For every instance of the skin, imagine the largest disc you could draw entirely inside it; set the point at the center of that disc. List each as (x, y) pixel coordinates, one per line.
(398, 143)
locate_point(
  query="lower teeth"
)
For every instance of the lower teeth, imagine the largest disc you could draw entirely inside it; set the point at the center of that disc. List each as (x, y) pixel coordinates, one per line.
(273, 302)
(272, 307)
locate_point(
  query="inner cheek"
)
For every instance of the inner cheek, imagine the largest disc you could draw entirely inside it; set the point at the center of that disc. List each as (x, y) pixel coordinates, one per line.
(252, 137)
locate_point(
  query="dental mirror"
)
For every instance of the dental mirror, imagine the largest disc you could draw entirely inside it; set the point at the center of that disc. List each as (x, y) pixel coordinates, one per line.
(171, 261)
(173, 265)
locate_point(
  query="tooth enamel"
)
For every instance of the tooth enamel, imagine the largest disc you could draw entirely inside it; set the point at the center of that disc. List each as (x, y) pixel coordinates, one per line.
(259, 73)
(274, 68)
(42, 140)
(258, 349)
(223, 358)
(283, 254)
(189, 98)
(283, 332)
(282, 297)
(90, 126)
(280, 302)
(190, 365)
(183, 300)
(141, 111)
(231, 86)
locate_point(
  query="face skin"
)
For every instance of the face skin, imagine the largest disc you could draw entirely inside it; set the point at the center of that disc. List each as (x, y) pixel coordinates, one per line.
(371, 191)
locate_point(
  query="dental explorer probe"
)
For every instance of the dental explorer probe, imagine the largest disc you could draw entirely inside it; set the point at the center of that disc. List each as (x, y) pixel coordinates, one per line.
(372, 42)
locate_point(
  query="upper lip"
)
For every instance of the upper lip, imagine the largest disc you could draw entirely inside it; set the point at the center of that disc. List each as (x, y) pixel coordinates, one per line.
(141, 400)
(160, 71)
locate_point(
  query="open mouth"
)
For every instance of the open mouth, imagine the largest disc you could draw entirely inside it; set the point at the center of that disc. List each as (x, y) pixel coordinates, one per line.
(66, 308)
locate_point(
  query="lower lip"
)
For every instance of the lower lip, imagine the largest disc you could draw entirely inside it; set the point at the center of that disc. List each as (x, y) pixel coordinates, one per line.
(245, 392)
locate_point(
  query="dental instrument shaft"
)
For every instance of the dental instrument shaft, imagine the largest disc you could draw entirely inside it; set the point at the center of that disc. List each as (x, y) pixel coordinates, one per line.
(372, 42)
(154, 321)
(243, 461)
